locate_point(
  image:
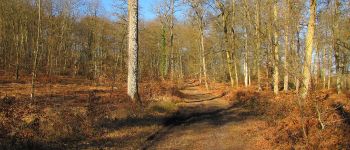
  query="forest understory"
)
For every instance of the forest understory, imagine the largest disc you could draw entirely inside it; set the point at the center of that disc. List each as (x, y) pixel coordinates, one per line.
(73, 113)
(174, 74)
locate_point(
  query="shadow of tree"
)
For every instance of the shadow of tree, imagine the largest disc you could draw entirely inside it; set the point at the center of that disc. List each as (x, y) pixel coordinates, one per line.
(213, 117)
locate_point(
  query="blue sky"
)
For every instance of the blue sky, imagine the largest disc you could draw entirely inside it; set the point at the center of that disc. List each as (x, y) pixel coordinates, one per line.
(146, 6)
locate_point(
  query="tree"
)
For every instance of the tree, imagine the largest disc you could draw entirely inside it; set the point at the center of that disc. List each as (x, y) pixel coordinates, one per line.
(133, 50)
(36, 51)
(224, 21)
(197, 6)
(335, 29)
(308, 50)
(275, 50)
(286, 46)
(258, 42)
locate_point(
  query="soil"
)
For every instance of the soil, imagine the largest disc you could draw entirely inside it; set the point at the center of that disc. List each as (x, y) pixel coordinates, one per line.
(206, 121)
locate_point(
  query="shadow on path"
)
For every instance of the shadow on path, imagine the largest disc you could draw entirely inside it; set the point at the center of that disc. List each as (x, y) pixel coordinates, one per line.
(207, 115)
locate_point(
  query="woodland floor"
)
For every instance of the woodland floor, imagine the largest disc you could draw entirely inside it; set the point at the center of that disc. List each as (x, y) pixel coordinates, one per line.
(76, 114)
(205, 121)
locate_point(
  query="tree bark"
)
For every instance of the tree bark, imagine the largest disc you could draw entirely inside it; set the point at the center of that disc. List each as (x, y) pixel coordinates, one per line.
(172, 59)
(203, 58)
(36, 51)
(286, 48)
(224, 21)
(336, 46)
(258, 43)
(308, 51)
(133, 51)
(275, 52)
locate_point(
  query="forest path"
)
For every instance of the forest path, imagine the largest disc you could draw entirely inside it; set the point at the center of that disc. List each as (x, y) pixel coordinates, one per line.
(205, 121)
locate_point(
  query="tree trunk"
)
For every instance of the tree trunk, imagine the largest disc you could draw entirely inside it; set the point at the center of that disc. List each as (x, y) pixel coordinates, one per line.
(258, 43)
(329, 66)
(286, 48)
(335, 45)
(246, 77)
(275, 53)
(324, 68)
(36, 51)
(308, 50)
(234, 42)
(203, 57)
(172, 59)
(133, 51)
(224, 21)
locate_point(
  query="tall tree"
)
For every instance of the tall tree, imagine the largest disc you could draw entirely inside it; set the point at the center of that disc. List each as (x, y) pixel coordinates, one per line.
(197, 6)
(335, 29)
(133, 50)
(308, 50)
(258, 42)
(36, 50)
(275, 50)
(224, 21)
(286, 45)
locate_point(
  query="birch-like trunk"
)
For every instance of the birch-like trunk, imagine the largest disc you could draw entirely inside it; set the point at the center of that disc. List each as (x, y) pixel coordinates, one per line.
(36, 51)
(246, 77)
(203, 57)
(336, 46)
(172, 56)
(133, 50)
(308, 51)
(258, 42)
(286, 48)
(275, 51)
(233, 42)
(324, 82)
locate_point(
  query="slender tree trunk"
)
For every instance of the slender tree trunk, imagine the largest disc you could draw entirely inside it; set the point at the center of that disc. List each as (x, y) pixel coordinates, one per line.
(133, 51)
(329, 65)
(172, 59)
(286, 48)
(308, 50)
(234, 41)
(324, 69)
(335, 45)
(258, 43)
(276, 53)
(203, 57)
(17, 58)
(246, 68)
(36, 51)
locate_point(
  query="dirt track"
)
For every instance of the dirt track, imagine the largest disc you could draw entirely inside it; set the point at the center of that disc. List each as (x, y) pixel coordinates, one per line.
(205, 121)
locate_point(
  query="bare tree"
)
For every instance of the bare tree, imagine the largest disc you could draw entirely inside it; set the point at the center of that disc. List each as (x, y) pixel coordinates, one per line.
(286, 45)
(308, 50)
(36, 51)
(275, 50)
(197, 6)
(133, 50)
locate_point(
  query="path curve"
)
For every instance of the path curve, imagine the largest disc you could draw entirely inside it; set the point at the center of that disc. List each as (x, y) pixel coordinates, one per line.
(204, 121)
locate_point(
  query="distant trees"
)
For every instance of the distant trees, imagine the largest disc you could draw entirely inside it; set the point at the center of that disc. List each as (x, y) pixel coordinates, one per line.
(241, 42)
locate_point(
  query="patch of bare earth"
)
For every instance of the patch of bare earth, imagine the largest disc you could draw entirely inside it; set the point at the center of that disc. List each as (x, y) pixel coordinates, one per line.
(207, 121)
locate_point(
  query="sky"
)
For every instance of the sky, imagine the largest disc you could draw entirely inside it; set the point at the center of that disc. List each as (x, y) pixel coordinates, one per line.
(146, 6)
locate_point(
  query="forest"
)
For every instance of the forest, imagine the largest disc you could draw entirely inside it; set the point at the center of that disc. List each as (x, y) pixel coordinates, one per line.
(199, 74)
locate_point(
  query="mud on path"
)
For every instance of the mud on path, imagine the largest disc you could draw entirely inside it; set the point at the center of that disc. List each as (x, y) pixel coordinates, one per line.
(206, 121)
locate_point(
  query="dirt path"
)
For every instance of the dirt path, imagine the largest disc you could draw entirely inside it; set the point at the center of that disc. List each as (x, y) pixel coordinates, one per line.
(205, 121)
